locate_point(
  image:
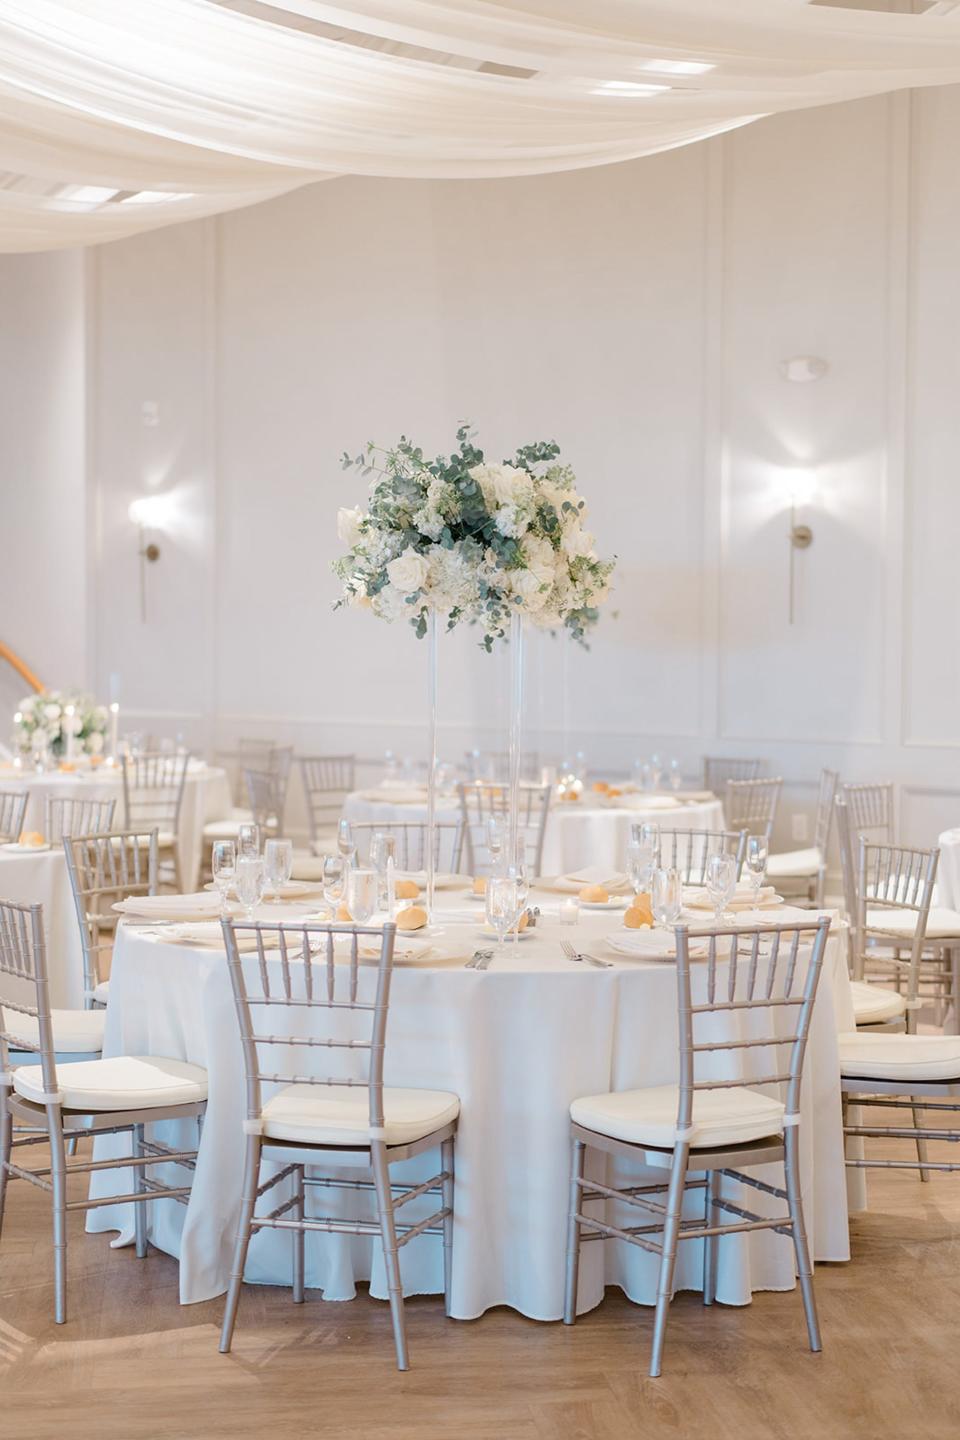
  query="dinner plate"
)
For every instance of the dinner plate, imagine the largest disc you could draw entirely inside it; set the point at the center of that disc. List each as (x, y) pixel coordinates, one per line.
(16, 848)
(489, 934)
(289, 891)
(615, 902)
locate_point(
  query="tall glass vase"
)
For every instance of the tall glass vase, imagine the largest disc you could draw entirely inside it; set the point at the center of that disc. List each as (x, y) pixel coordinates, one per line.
(516, 722)
(432, 758)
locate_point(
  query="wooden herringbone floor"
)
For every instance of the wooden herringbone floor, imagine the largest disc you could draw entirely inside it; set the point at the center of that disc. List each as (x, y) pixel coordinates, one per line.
(133, 1365)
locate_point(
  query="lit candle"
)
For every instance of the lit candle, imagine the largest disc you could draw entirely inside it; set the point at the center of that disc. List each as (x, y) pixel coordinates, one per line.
(114, 721)
(569, 911)
(68, 715)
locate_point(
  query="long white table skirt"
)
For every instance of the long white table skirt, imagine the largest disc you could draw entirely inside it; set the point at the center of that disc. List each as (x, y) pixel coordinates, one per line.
(42, 879)
(517, 1043)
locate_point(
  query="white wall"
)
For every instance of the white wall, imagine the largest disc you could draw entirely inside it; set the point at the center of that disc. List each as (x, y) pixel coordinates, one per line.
(636, 313)
(43, 615)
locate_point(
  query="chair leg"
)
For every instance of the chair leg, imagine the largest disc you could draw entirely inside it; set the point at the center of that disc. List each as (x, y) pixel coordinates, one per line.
(577, 1158)
(447, 1164)
(391, 1255)
(251, 1176)
(140, 1208)
(299, 1238)
(6, 1145)
(710, 1215)
(922, 1155)
(58, 1180)
(791, 1166)
(668, 1258)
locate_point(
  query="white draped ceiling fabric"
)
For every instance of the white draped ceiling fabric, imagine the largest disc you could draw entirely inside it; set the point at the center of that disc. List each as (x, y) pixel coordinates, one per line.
(118, 116)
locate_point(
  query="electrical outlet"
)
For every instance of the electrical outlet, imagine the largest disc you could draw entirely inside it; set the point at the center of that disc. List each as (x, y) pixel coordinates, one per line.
(799, 826)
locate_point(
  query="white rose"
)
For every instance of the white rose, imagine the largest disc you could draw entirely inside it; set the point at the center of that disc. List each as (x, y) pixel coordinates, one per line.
(577, 541)
(348, 526)
(530, 588)
(502, 484)
(408, 571)
(540, 558)
(95, 743)
(51, 712)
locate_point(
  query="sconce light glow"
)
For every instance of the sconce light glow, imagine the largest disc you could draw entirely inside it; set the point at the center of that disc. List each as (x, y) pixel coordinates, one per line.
(801, 486)
(150, 512)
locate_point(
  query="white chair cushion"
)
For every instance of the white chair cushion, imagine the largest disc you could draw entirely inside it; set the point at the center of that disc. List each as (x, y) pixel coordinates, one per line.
(900, 1057)
(102, 992)
(123, 1082)
(649, 1117)
(802, 863)
(942, 923)
(75, 1032)
(873, 1004)
(337, 1115)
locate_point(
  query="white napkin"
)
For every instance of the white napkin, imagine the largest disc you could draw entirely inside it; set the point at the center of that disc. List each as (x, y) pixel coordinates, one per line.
(639, 801)
(395, 795)
(651, 945)
(611, 880)
(696, 898)
(170, 907)
(442, 880)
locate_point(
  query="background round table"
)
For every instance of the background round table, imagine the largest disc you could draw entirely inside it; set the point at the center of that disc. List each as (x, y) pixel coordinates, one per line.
(206, 796)
(517, 1043)
(948, 874)
(581, 832)
(41, 878)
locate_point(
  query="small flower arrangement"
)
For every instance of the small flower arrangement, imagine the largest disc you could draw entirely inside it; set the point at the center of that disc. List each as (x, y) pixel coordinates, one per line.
(44, 715)
(474, 541)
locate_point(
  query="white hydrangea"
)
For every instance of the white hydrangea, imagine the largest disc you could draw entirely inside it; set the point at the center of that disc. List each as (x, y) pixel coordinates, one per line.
(348, 526)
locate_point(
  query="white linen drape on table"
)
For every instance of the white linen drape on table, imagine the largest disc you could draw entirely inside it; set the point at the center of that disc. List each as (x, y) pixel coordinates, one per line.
(190, 108)
(517, 1043)
(948, 873)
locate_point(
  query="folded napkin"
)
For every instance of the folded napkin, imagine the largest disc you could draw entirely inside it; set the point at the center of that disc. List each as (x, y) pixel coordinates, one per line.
(696, 898)
(442, 880)
(170, 907)
(640, 801)
(652, 945)
(395, 795)
(612, 880)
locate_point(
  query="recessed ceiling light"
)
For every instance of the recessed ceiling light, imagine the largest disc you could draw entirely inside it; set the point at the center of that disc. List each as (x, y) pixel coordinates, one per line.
(676, 67)
(154, 197)
(87, 194)
(627, 87)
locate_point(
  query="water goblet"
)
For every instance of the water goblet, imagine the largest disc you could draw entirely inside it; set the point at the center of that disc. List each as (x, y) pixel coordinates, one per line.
(647, 834)
(248, 840)
(503, 905)
(361, 893)
(496, 838)
(676, 776)
(346, 843)
(721, 882)
(277, 865)
(333, 870)
(758, 851)
(641, 863)
(666, 896)
(248, 881)
(383, 849)
(223, 864)
(656, 771)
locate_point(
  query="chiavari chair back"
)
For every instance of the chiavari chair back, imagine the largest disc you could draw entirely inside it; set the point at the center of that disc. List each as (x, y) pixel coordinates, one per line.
(13, 808)
(310, 990)
(66, 816)
(871, 810)
(153, 786)
(689, 851)
(718, 769)
(480, 801)
(327, 781)
(751, 805)
(412, 839)
(752, 998)
(104, 869)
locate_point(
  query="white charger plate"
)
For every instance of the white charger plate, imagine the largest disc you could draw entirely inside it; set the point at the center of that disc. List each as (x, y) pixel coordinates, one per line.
(16, 848)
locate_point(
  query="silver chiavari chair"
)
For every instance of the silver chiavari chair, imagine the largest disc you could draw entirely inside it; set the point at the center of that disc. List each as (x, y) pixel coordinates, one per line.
(711, 1126)
(479, 801)
(751, 805)
(412, 839)
(153, 786)
(56, 1103)
(104, 869)
(871, 810)
(64, 816)
(310, 1123)
(248, 753)
(689, 851)
(810, 866)
(327, 781)
(899, 1070)
(718, 769)
(13, 808)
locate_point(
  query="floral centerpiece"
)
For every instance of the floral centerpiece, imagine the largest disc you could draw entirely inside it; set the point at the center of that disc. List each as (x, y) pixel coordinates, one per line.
(43, 717)
(473, 540)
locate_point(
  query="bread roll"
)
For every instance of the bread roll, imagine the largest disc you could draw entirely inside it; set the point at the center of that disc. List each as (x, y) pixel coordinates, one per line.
(406, 889)
(594, 895)
(480, 885)
(414, 917)
(639, 914)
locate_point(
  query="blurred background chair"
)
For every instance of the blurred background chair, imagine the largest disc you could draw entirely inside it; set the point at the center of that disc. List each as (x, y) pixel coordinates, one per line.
(480, 801)
(751, 805)
(718, 769)
(13, 807)
(411, 838)
(152, 800)
(807, 869)
(64, 816)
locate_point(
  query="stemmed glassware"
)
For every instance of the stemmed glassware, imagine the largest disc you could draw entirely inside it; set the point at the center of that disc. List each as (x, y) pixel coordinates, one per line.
(721, 882)
(383, 849)
(503, 905)
(496, 839)
(334, 877)
(361, 893)
(248, 881)
(223, 863)
(656, 771)
(641, 863)
(675, 775)
(666, 896)
(346, 844)
(758, 851)
(277, 865)
(248, 840)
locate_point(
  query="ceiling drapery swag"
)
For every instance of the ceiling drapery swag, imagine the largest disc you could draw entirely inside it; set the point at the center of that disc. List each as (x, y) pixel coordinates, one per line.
(118, 116)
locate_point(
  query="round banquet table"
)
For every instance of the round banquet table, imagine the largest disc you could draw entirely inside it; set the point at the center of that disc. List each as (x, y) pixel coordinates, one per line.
(517, 1043)
(41, 878)
(948, 875)
(206, 796)
(581, 832)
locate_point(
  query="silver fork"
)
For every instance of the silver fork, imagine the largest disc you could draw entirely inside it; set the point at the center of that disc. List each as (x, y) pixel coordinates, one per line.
(572, 954)
(479, 960)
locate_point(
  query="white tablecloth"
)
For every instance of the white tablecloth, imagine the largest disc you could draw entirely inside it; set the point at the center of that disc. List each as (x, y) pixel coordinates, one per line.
(581, 832)
(42, 879)
(517, 1043)
(948, 875)
(206, 797)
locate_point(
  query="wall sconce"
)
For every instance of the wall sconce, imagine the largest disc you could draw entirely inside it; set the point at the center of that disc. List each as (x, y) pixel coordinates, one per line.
(801, 488)
(803, 369)
(146, 514)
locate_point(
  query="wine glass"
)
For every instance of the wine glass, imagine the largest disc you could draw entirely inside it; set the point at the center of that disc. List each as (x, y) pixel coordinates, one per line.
(721, 882)
(666, 896)
(383, 849)
(223, 864)
(333, 869)
(496, 838)
(503, 905)
(676, 775)
(345, 842)
(758, 850)
(656, 770)
(248, 840)
(641, 863)
(277, 865)
(361, 893)
(248, 881)
(521, 874)
(647, 835)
